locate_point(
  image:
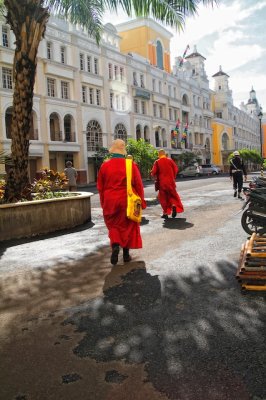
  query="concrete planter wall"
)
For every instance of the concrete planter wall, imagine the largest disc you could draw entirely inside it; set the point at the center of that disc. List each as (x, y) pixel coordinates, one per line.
(30, 218)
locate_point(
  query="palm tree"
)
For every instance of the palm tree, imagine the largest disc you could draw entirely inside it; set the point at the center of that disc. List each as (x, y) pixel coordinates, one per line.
(28, 20)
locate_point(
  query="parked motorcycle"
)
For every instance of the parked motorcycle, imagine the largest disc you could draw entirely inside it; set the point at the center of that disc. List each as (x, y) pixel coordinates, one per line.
(254, 216)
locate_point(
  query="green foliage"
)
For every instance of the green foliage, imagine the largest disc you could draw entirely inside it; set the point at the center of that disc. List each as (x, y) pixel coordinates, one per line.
(264, 164)
(50, 182)
(2, 189)
(143, 153)
(90, 13)
(47, 187)
(187, 158)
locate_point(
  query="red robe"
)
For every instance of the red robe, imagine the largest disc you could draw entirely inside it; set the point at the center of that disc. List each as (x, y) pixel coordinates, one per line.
(112, 186)
(165, 170)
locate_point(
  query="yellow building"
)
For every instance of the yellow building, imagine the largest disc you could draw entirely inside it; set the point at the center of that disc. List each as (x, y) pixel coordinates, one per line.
(233, 128)
(147, 38)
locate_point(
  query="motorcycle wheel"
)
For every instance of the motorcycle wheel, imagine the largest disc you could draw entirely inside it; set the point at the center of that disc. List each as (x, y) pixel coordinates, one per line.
(250, 225)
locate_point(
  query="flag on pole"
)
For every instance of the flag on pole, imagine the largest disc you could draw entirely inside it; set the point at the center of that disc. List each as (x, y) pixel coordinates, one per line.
(184, 134)
(176, 130)
(184, 55)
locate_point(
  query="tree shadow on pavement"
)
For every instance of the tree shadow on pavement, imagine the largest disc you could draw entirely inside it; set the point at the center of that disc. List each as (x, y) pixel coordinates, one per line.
(196, 336)
(177, 223)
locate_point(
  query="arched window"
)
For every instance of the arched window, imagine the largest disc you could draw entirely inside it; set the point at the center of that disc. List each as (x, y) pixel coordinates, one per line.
(185, 100)
(55, 133)
(159, 54)
(225, 141)
(8, 120)
(138, 132)
(146, 134)
(120, 132)
(94, 136)
(69, 128)
(157, 138)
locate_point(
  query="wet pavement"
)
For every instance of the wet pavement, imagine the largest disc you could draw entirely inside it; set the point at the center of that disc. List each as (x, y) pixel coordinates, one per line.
(171, 324)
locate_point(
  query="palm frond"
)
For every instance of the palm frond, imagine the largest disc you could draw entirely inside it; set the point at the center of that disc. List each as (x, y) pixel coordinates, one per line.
(87, 13)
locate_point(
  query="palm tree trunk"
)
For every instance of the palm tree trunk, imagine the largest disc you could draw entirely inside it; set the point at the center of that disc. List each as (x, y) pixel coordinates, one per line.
(28, 21)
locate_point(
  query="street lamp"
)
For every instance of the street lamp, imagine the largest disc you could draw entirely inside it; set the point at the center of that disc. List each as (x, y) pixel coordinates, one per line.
(260, 115)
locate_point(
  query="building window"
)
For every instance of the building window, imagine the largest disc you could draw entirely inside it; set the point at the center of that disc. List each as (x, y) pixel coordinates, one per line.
(117, 102)
(136, 106)
(96, 66)
(94, 136)
(81, 62)
(98, 97)
(122, 73)
(175, 115)
(170, 114)
(154, 85)
(219, 115)
(123, 100)
(225, 141)
(169, 90)
(63, 54)
(110, 71)
(143, 107)
(160, 87)
(64, 90)
(159, 53)
(155, 110)
(89, 63)
(116, 72)
(5, 36)
(91, 96)
(49, 50)
(84, 94)
(161, 111)
(111, 100)
(7, 78)
(174, 92)
(50, 87)
(120, 132)
(142, 81)
(135, 82)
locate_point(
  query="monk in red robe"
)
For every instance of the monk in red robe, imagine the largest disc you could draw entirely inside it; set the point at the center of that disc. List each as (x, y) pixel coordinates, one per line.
(112, 186)
(164, 170)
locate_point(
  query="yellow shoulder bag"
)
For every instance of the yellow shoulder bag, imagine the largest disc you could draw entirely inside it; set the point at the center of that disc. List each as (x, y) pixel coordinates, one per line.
(134, 210)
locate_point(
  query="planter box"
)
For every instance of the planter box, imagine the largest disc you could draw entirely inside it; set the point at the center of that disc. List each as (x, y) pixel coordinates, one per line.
(30, 218)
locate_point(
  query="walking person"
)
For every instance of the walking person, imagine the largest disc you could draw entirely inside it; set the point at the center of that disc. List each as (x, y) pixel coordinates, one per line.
(237, 170)
(164, 170)
(71, 174)
(112, 186)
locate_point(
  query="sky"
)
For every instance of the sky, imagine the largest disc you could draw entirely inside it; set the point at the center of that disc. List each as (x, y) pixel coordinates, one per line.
(233, 35)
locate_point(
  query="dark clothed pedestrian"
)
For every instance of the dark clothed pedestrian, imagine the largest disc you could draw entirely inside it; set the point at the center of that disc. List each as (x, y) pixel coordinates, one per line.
(237, 171)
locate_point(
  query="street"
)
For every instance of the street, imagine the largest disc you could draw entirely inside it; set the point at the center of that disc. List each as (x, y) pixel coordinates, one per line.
(171, 324)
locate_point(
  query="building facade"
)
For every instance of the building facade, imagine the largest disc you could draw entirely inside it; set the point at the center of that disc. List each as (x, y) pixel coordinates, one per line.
(233, 128)
(87, 95)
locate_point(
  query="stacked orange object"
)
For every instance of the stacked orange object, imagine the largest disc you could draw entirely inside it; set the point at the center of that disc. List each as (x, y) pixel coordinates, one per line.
(251, 272)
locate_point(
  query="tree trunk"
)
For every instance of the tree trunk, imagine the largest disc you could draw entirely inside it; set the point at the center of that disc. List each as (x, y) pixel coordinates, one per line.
(28, 21)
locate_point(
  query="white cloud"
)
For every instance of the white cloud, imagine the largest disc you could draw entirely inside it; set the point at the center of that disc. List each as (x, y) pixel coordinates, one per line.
(227, 32)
